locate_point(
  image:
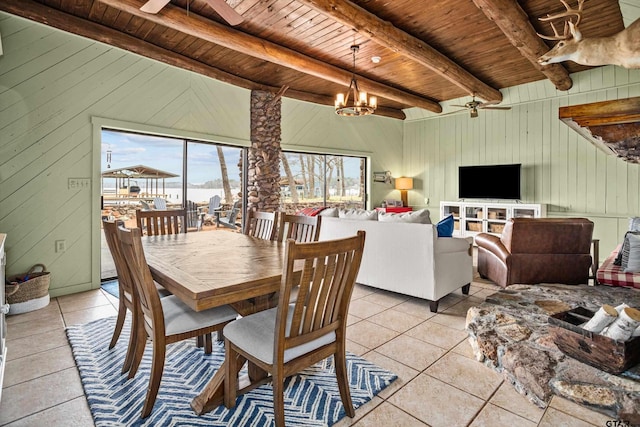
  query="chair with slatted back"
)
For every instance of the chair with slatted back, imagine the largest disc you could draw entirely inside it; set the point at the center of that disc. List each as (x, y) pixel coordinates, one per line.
(194, 220)
(211, 213)
(159, 204)
(164, 321)
(231, 216)
(156, 223)
(125, 290)
(286, 339)
(299, 228)
(262, 225)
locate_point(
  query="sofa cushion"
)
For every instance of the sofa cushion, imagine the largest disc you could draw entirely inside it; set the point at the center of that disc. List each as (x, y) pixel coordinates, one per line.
(633, 258)
(418, 217)
(358, 214)
(445, 226)
(333, 212)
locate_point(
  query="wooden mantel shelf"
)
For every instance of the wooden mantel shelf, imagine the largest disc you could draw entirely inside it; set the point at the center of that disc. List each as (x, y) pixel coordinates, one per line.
(612, 126)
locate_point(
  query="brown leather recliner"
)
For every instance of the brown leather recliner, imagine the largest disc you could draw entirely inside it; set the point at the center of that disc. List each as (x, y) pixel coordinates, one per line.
(537, 250)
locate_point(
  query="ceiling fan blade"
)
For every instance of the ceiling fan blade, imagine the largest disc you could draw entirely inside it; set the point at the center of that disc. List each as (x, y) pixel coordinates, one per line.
(457, 105)
(495, 108)
(225, 11)
(154, 6)
(452, 112)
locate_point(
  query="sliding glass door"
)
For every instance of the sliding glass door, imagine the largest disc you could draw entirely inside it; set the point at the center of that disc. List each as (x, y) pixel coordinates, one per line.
(151, 172)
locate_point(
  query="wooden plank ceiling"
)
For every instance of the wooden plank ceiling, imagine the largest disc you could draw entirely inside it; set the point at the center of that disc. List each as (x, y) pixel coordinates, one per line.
(300, 45)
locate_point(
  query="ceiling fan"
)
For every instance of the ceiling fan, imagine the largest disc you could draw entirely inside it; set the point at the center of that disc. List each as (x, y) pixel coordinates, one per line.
(221, 7)
(473, 107)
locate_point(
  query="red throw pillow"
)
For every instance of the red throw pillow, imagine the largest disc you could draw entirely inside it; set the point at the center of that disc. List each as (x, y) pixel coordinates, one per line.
(311, 211)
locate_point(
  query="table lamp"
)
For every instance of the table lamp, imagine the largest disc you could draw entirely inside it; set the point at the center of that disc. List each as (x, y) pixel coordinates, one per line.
(403, 184)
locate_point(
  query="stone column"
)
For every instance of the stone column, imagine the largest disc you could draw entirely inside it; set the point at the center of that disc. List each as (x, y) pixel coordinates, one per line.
(263, 188)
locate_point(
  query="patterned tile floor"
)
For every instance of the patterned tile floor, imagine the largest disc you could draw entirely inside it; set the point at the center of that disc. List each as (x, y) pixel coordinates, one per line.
(439, 384)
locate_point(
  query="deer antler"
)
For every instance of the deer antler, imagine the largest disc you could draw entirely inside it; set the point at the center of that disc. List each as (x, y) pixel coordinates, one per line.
(569, 12)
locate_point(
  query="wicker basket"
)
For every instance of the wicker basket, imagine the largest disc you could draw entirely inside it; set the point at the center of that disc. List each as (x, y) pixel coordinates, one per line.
(496, 228)
(474, 226)
(36, 285)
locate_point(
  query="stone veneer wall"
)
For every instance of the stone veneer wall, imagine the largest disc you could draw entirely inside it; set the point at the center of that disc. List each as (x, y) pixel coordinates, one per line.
(263, 189)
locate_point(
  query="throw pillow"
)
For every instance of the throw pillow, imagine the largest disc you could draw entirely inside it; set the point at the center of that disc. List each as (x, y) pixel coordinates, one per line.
(312, 211)
(329, 212)
(445, 226)
(623, 254)
(418, 217)
(634, 224)
(633, 262)
(358, 214)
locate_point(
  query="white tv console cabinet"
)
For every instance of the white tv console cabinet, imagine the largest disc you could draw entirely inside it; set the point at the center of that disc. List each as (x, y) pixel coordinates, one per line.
(472, 218)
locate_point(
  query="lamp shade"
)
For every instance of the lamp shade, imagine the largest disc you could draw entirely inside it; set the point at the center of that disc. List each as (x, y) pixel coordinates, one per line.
(404, 183)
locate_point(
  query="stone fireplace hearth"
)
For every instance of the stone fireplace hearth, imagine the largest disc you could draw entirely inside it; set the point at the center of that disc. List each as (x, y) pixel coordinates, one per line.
(509, 333)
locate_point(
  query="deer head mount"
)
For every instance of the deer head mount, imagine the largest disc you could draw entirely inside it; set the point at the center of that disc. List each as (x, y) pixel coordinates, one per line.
(622, 49)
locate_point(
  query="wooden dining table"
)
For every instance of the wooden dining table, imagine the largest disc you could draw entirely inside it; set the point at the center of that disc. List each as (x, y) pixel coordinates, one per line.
(214, 268)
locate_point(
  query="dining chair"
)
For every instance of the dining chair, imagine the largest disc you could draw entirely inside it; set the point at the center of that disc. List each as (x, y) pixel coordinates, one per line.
(300, 228)
(286, 339)
(164, 321)
(156, 223)
(262, 225)
(125, 289)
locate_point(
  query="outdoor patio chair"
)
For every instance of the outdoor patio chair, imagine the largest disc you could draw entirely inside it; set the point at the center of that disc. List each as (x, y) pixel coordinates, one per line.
(230, 220)
(213, 212)
(145, 205)
(157, 222)
(194, 220)
(164, 321)
(261, 224)
(306, 331)
(160, 204)
(299, 227)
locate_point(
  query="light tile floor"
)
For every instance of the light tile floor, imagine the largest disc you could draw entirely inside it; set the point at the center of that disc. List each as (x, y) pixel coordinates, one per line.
(439, 382)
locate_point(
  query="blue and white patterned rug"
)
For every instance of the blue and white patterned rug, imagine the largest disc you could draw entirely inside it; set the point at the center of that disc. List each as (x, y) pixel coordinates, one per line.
(311, 397)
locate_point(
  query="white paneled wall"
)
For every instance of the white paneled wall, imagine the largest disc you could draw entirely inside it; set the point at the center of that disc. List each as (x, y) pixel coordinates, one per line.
(51, 85)
(54, 86)
(630, 11)
(560, 168)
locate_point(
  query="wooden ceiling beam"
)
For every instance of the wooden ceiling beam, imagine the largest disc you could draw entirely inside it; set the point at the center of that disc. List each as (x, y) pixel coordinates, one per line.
(40, 13)
(515, 24)
(211, 31)
(385, 34)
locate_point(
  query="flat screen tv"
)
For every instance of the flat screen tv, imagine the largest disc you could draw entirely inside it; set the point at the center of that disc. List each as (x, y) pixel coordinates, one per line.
(489, 182)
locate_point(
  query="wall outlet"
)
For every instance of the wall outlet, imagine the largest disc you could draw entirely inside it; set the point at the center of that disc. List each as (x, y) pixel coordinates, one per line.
(426, 201)
(61, 246)
(78, 183)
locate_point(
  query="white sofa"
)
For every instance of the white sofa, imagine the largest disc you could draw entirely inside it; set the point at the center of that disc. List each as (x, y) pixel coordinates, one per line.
(407, 258)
